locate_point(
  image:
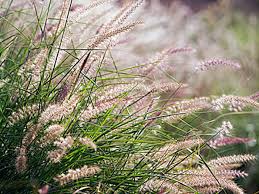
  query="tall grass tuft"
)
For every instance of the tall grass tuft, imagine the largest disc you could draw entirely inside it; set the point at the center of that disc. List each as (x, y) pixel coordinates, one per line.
(75, 120)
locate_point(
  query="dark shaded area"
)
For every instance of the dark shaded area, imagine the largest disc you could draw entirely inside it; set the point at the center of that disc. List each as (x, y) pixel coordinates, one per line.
(243, 5)
(195, 5)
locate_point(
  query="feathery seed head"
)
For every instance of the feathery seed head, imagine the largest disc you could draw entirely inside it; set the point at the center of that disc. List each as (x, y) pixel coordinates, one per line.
(22, 113)
(55, 156)
(105, 36)
(224, 129)
(171, 148)
(88, 142)
(63, 145)
(21, 160)
(21, 163)
(223, 141)
(235, 103)
(228, 160)
(52, 132)
(76, 174)
(157, 185)
(181, 109)
(217, 63)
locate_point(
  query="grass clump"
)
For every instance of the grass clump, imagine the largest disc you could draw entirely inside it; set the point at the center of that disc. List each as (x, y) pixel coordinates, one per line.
(74, 120)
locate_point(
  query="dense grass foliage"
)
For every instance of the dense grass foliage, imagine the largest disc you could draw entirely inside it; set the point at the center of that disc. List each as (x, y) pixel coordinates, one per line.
(76, 119)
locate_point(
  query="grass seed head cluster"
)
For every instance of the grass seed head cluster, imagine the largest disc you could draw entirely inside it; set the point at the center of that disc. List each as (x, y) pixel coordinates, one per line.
(76, 119)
